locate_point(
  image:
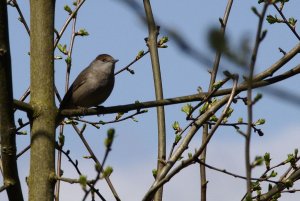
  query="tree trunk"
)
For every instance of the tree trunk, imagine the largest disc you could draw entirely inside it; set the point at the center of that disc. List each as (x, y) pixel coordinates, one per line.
(42, 155)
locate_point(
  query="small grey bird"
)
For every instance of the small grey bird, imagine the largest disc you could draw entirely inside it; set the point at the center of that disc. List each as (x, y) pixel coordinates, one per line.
(93, 85)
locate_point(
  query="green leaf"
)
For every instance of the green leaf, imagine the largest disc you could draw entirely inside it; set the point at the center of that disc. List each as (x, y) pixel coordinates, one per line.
(62, 48)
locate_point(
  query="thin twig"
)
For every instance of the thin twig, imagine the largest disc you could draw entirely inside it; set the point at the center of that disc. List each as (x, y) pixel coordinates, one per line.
(286, 21)
(95, 124)
(23, 151)
(22, 19)
(235, 175)
(93, 156)
(67, 23)
(75, 164)
(135, 60)
(249, 98)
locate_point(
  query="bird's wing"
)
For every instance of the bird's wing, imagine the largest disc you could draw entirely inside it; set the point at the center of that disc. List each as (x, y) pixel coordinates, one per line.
(76, 84)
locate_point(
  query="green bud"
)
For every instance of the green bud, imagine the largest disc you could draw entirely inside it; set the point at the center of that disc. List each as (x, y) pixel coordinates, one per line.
(107, 172)
(83, 181)
(240, 120)
(162, 41)
(199, 89)
(213, 118)
(217, 84)
(272, 19)
(68, 60)
(273, 174)
(61, 140)
(260, 122)
(288, 183)
(119, 115)
(176, 126)
(187, 108)
(229, 112)
(292, 21)
(254, 10)
(258, 161)
(110, 138)
(267, 160)
(257, 97)
(204, 108)
(134, 119)
(68, 9)
(177, 138)
(296, 153)
(98, 167)
(139, 55)
(154, 173)
(82, 32)
(57, 57)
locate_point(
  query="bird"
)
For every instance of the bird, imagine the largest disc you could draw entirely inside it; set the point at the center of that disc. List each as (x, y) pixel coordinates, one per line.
(92, 86)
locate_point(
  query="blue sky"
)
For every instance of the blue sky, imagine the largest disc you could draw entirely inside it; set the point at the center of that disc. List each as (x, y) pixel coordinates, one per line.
(116, 29)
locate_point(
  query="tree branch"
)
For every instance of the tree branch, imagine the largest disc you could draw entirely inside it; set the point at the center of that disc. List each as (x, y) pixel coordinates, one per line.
(153, 30)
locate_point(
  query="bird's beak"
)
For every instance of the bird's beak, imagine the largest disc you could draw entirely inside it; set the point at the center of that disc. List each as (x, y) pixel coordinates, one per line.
(115, 61)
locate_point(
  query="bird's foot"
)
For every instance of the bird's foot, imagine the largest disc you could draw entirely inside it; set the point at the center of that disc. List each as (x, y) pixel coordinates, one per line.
(99, 108)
